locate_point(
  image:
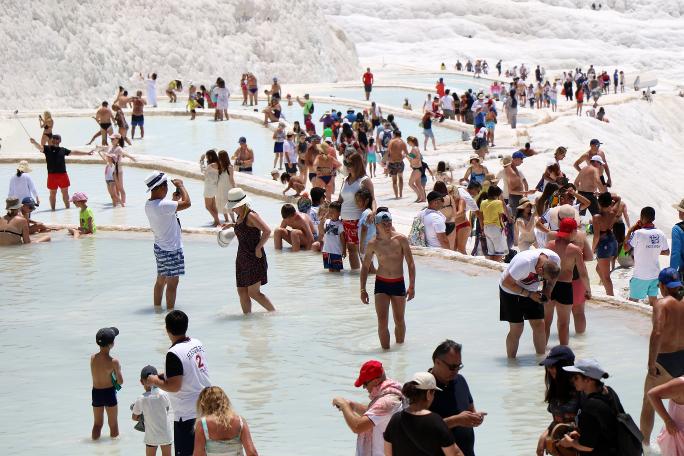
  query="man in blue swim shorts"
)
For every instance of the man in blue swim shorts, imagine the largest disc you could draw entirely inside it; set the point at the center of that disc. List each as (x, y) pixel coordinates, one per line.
(392, 249)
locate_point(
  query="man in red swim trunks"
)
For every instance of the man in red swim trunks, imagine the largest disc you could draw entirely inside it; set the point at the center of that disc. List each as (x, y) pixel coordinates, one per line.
(367, 82)
(56, 167)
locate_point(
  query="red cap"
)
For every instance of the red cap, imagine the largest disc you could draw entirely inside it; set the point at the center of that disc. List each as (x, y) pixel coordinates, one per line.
(369, 371)
(567, 227)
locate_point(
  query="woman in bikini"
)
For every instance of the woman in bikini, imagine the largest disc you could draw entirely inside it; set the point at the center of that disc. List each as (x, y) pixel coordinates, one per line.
(14, 229)
(325, 164)
(604, 244)
(117, 154)
(46, 123)
(415, 161)
(462, 226)
(120, 119)
(449, 210)
(476, 172)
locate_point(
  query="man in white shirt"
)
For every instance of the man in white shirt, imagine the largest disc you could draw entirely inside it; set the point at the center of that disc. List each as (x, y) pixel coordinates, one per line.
(647, 244)
(369, 421)
(290, 152)
(186, 375)
(435, 222)
(448, 105)
(168, 247)
(520, 298)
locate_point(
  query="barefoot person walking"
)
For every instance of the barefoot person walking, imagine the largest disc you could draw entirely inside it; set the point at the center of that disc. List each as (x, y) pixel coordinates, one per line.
(250, 264)
(392, 249)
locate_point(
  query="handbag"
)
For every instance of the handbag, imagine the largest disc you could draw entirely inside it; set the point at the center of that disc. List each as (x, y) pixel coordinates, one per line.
(555, 436)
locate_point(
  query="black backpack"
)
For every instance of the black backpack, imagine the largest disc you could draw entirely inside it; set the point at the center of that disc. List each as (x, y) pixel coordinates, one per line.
(628, 436)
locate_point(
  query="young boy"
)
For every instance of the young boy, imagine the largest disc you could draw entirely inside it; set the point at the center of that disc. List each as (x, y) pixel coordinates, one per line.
(647, 244)
(154, 409)
(300, 234)
(293, 182)
(86, 219)
(192, 106)
(334, 245)
(317, 198)
(290, 151)
(107, 379)
(492, 215)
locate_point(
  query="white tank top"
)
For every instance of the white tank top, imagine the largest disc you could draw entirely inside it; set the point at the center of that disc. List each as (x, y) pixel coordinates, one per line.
(195, 378)
(350, 210)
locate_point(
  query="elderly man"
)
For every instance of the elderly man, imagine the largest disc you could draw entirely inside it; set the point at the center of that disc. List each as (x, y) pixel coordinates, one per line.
(369, 421)
(520, 300)
(453, 400)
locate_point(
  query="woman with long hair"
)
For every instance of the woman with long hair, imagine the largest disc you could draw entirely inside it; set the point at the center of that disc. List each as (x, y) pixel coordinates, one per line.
(524, 226)
(47, 124)
(251, 266)
(417, 430)
(117, 154)
(415, 161)
(210, 169)
(222, 100)
(226, 181)
(560, 394)
(604, 243)
(541, 206)
(325, 165)
(219, 431)
(426, 123)
(351, 213)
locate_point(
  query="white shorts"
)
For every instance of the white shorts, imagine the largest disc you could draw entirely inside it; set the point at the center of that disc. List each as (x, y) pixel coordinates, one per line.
(496, 241)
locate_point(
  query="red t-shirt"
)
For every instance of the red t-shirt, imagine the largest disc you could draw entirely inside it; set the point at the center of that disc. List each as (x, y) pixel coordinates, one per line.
(367, 78)
(440, 89)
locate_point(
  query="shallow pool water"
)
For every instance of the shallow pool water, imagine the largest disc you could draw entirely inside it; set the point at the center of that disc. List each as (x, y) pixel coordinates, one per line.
(90, 179)
(382, 95)
(280, 370)
(452, 81)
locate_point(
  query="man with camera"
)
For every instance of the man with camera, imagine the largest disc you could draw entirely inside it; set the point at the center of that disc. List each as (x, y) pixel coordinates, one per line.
(520, 298)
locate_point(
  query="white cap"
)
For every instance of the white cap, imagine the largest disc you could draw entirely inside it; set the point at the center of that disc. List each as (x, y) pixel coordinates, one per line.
(597, 158)
(155, 179)
(425, 381)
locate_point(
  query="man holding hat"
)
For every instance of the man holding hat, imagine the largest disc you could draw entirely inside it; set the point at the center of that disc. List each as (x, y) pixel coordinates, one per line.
(369, 421)
(588, 157)
(562, 299)
(677, 251)
(392, 249)
(168, 247)
(596, 421)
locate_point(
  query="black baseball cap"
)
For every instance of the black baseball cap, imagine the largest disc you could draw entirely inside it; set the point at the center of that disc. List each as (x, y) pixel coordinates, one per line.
(30, 202)
(433, 195)
(595, 142)
(105, 336)
(147, 371)
(557, 354)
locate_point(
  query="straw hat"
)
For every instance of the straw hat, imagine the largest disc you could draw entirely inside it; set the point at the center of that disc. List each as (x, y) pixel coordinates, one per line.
(12, 204)
(236, 197)
(507, 160)
(225, 236)
(24, 167)
(524, 202)
(680, 206)
(490, 179)
(474, 157)
(563, 211)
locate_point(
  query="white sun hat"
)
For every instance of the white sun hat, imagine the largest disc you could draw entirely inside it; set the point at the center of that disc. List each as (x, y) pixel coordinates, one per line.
(225, 236)
(236, 197)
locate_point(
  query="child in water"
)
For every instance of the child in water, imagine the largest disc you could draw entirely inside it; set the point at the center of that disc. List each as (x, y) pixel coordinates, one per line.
(107, 380)
(109, 175)
(295, 183)
(86, 220)
(153, 408)
(334, 245)
(192, 106)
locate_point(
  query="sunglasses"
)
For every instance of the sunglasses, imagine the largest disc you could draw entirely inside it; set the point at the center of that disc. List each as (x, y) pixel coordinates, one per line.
(451, 367)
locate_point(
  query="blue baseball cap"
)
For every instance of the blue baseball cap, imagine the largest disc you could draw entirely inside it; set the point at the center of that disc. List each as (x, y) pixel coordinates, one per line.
(670, 278)
(28, 201)
(519, 155)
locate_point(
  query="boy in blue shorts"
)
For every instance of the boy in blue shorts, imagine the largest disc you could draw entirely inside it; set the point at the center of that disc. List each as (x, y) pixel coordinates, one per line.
(334, 244)
(107, 380)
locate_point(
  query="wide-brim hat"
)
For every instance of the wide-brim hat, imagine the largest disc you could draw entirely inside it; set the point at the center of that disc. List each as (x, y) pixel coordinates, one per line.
(225, 236)
(474, 157)
(236, 197)
(556, 214)
(24, 167)
(680, 206)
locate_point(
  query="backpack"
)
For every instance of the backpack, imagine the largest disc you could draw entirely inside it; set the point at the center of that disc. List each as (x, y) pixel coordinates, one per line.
(628, 436)
(386, 138)
(416, 235)
(479, 142)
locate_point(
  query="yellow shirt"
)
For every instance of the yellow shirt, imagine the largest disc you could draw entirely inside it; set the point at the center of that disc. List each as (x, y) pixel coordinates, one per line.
(491, 212)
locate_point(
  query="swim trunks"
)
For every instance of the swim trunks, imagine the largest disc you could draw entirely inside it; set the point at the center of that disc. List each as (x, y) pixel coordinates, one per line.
(105, 125)
(372, 158)
(607, 246)
(367, 88)
(640, 288)
(137, 121)
(332, 261)
(253, 89)
(515, 308)
(169, 263)
(104, 397)
(395, 168)
(351, 231)
(562, 293)
(245, 169)
(291, 169)
(390, 287)
(428, 133)
(58, 180)
(672, 362)
(593, 203)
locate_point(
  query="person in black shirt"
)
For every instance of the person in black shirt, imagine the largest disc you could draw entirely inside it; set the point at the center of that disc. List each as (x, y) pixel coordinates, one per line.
(453, 401)
(56, 167)
(596, 421)
(416, 430)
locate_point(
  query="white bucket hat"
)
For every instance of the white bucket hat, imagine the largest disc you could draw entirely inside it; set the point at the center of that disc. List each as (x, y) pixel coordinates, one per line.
(225, 236)
(236, 198)
(24, 167)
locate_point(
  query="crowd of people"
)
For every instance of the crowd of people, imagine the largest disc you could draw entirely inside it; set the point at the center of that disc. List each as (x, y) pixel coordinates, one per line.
(545, 233)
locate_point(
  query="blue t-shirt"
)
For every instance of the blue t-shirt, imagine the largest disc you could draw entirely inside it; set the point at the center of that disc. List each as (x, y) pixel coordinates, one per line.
(455, 398)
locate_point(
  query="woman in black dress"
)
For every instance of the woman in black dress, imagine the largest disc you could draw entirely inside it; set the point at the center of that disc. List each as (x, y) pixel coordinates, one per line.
(250, 264)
